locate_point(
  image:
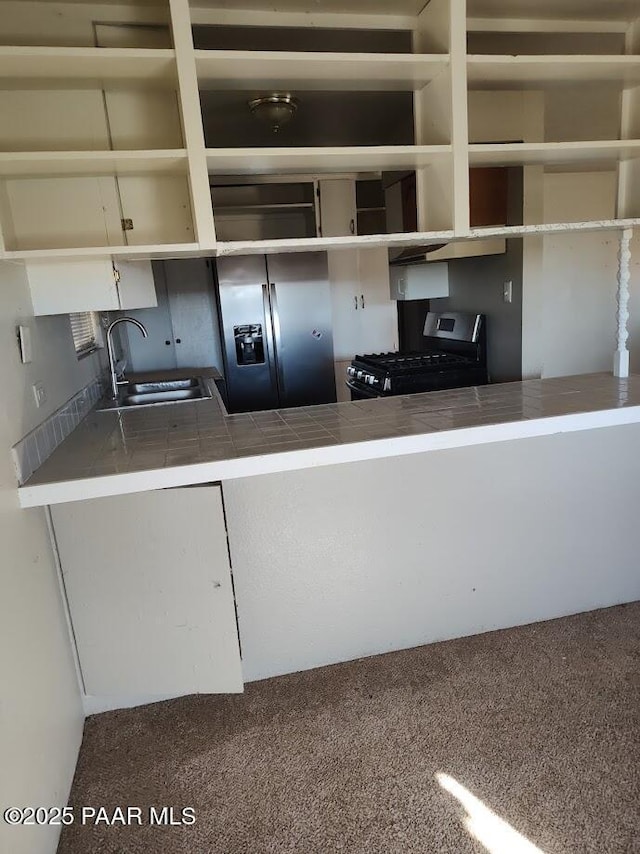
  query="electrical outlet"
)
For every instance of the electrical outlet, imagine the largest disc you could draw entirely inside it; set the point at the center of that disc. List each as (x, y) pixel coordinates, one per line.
(507, 291)
(40, 394)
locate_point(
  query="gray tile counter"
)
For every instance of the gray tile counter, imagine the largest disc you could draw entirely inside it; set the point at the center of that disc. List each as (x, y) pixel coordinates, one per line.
(193, 442)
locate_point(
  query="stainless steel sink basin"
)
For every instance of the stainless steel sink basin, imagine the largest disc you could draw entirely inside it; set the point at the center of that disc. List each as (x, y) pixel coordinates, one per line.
(159, 392)
(164, 385)
(147, 397)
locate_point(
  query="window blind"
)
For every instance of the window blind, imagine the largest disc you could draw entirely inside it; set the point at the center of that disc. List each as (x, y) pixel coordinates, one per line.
(83, 330)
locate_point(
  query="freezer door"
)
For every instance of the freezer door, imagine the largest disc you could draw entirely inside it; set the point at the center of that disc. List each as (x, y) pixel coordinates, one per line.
(245, 319)
(301, 314)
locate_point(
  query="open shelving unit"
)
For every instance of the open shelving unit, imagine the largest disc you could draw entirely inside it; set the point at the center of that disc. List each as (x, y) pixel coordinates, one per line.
(50, 164)
(541, 72)
(120, 133)
(354, 72)
(85, 66)
(323, 160)
(575, 155)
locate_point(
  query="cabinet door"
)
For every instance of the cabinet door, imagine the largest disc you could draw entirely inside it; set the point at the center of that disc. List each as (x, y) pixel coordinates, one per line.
(136, 287)
(62, 287)
(378, 314)
(54, 213)
(148, 582)
(344, 285)
(194, 320)
(338, 218)
(338, 211)
(157, 352)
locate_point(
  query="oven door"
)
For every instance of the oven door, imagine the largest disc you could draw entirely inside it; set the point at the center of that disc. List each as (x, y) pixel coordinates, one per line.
(359, 392)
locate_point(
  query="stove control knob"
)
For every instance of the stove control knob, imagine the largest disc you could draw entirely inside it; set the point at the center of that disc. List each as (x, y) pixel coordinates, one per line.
(351, 371)
(359, 375)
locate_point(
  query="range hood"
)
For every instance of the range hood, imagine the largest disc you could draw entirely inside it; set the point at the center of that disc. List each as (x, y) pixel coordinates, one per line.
(412, 254)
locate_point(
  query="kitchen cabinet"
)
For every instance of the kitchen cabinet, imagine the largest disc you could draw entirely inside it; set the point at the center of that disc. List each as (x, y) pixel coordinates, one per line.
(363, 314)
(100, 160)
(89, 284)
(183, 329)
(266, 211)
(136, 286)
(488, 206)
(151, 602)
(338, 210)
(419, 281)
(101, 138)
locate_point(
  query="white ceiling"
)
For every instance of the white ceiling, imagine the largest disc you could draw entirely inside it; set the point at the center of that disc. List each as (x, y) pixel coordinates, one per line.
(600, 10)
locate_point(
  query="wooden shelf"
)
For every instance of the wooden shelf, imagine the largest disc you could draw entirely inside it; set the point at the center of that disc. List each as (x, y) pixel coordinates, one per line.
(47, 67)
(310, 244)
(553, 153)
(40, 164)
(391, 241)
(292, 206)
(379, 8)
(559, 10)
(535, 72)
(299, 71)
(357, 159)
(167, 250)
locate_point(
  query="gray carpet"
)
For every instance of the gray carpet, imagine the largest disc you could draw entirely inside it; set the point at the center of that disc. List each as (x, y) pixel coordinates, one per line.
(537, 730)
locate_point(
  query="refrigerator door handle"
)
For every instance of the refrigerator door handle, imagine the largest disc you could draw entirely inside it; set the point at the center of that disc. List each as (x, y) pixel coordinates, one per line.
(277, 339)
(268, 331)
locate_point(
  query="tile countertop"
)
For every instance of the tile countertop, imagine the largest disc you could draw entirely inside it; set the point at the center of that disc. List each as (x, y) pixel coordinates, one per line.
(133, 450)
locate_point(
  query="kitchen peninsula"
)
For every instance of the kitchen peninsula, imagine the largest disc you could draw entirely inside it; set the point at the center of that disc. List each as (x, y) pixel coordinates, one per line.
(124, 451)
(317, 535)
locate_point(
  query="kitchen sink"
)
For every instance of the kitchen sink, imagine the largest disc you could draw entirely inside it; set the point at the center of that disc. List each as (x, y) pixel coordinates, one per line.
(158, 392)
(164, 385)
(147, 397)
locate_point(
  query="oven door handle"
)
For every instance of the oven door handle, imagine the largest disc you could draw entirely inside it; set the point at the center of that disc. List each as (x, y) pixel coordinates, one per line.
(366, 392)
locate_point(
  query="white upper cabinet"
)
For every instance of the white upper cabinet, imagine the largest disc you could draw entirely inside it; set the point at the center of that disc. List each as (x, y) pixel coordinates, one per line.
(115, 121)
(363, 316)
(136, 287)
(91, 147)
(78, 284)
(89, 284)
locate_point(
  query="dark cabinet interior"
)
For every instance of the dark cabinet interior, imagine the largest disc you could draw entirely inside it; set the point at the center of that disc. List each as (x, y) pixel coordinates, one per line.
(488, 196)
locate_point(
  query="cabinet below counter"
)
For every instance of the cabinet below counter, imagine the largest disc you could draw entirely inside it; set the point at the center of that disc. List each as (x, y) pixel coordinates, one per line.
(126, 451)
(147, 580)
(180, 591)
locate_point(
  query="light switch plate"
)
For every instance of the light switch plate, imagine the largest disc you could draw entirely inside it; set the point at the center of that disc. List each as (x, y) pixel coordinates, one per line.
(507, 291)
(40, 394)
(24, 342)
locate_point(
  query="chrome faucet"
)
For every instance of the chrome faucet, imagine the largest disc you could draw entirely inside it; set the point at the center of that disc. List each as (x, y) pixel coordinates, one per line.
(112, 363)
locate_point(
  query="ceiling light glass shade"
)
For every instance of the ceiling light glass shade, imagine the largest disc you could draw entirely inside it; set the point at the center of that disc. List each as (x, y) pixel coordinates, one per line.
(275, 110)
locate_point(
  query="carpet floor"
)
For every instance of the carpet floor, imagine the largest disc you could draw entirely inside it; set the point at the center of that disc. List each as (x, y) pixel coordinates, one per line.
(513, 742)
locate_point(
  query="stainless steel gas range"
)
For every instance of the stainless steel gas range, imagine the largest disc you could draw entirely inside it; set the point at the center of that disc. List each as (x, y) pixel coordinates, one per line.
(454, 357)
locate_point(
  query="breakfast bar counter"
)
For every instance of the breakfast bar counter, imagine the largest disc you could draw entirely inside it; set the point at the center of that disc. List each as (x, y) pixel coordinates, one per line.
(155, 447)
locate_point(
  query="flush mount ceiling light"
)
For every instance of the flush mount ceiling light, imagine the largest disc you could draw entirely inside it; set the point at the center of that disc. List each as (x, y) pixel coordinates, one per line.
(276, 110)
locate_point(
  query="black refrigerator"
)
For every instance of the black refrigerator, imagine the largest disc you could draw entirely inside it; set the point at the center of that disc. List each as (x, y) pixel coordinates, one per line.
(275, 316)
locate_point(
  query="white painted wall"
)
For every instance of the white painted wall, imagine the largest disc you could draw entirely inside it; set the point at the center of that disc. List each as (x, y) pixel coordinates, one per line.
(327, 567)
(40, 710)
(577, 323)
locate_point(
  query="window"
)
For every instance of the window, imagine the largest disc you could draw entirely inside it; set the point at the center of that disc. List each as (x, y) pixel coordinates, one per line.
(83, 329)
